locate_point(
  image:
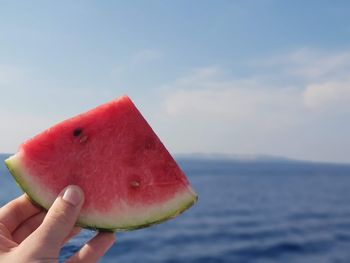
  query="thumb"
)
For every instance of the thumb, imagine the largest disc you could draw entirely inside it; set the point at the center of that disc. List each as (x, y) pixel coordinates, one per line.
(60, 219)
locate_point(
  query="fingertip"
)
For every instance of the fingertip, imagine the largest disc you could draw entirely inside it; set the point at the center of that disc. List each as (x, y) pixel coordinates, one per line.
(106, 238)
(94, 249)
(73, 195)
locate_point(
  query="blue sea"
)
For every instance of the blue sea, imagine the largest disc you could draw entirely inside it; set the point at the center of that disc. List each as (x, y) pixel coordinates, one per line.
(248, 211)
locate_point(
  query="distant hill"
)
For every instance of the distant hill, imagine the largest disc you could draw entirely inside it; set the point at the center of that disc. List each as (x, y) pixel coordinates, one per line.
(261, 158)
(255, 164)
(233, 157)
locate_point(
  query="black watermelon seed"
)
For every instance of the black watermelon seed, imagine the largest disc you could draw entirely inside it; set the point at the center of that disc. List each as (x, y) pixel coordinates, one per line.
(77, 132)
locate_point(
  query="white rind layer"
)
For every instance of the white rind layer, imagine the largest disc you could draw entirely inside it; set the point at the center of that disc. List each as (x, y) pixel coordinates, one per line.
(131, 217)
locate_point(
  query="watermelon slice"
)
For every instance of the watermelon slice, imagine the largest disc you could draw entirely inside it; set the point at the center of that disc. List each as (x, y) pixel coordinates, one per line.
(129, 179)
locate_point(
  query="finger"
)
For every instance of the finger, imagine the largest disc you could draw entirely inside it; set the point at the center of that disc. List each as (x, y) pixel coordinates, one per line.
(92, 251)
(59, 220)
(28, 227)
(4, 231)
(17, 211)
(6, 244)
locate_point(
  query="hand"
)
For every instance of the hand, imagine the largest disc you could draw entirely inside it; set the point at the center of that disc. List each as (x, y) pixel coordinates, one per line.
(28, 234)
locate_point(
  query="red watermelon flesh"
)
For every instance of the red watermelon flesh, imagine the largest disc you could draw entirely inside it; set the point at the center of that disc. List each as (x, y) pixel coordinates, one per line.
(129, 178)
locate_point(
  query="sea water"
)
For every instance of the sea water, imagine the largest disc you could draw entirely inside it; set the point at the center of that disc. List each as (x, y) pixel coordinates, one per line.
(248, 211)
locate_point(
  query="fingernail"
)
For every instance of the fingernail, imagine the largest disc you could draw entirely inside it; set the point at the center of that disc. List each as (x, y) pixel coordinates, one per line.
(72, 196)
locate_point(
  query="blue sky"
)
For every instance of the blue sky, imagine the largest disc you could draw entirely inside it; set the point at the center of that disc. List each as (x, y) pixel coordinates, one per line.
(236, 77)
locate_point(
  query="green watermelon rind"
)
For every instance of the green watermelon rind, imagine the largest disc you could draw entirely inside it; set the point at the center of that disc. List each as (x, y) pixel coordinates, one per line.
(21, 185)
(148, 224)
(17, 174)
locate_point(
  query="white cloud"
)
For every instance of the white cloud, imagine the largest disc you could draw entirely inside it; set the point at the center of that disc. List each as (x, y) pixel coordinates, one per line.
(316, 64)
(263, 113)
(311, 64)
(205, 94)
(333, 96)
(323, 76)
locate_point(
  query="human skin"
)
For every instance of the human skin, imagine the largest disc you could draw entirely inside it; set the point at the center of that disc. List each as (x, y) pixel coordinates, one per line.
(30, 235)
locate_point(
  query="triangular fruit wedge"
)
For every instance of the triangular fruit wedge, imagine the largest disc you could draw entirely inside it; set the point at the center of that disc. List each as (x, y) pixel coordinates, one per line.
(129, 179)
